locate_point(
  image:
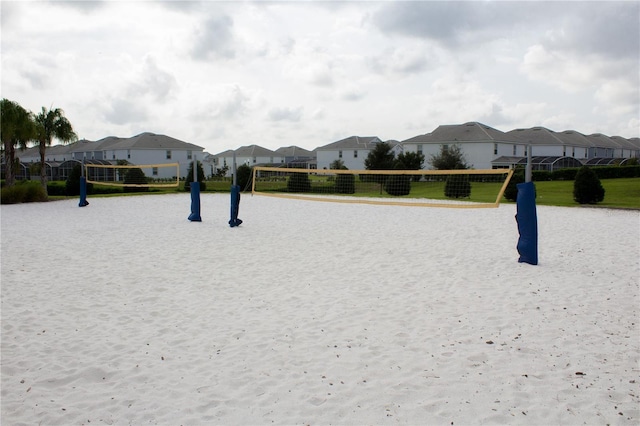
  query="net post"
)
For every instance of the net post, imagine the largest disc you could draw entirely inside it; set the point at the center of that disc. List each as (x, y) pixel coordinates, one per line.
(526, 217)
(195, 194)
(83, 187)
(235, 196)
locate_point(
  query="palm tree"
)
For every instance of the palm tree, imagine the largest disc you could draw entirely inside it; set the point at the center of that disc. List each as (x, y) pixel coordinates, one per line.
(51, 124)
(17, 128)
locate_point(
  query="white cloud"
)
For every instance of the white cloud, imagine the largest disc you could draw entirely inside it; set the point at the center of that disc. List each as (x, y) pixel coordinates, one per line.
(218, 74)
(285, 114)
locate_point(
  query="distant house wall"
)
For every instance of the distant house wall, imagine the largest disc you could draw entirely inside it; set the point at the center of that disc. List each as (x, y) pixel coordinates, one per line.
(352, 158)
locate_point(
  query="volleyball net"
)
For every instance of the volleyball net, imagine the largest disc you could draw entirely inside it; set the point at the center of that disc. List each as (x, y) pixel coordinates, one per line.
(466, 188)
(134, 175)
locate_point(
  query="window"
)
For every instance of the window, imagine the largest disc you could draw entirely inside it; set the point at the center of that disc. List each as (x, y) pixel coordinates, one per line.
(419, 149)
(254, 160)
(271, 160)
(573, 151)
(515, 147)
(189, 155)
(128, 153)
(445, 147)
(339, 154)
(495, 149)
(355, 154)
(114, 156)
(154, 170)
(564, 150)
(525, 151)
(168, 155)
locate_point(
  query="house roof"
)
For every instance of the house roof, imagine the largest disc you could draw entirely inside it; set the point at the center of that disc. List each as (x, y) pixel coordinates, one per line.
(536, 136)
(254, 151)
(146, 141)
(294, 151)
(467, 132)
(573, 138)
(624, 142)
(352, 142)
(603, 141)
(141, 141)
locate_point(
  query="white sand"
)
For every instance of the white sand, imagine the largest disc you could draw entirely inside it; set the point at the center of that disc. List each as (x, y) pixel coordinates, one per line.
(124, 312)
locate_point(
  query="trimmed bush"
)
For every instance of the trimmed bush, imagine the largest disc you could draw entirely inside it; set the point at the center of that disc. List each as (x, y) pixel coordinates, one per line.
(299, 182)
(398, 185)
(457, 186)
(587, 188)
(345, 184)
(511, 191)
(245, 177)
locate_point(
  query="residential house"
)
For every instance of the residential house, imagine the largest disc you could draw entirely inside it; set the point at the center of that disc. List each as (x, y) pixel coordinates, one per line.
(352, 151)
(251, 155)
(143, 149)
(480, 144)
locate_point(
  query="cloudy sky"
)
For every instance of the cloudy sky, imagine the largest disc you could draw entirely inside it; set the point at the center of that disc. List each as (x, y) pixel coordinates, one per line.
(226, 74)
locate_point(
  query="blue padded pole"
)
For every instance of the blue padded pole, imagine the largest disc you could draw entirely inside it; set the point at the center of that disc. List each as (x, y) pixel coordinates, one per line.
(83, 187)
(527, 217)
(83, 192)
(195, 194)
(235, 197)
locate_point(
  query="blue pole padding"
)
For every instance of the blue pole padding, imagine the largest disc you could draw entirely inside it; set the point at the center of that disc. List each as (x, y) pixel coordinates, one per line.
(195, 202)
(527, 220)
(235, 206)
(83, 192)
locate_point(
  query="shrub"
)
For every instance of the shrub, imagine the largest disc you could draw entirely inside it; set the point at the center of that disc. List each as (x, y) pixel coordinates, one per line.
(245, 177)
(398, 185)
(587, 188)
(189, 178)
(345, 184)
(511, 191)
(72, 186)
(135, 176)
(457, 186)
(299, 182)
(23, 192)
(56, 188)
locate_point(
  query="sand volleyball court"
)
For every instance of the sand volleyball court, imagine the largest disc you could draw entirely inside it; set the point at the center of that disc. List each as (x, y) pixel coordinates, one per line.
(124, 312)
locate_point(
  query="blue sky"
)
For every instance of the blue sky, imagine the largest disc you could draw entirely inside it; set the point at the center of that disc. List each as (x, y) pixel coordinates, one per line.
(226, 74)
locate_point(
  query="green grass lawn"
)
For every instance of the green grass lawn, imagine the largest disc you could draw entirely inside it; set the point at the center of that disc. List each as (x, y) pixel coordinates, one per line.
(619, 193)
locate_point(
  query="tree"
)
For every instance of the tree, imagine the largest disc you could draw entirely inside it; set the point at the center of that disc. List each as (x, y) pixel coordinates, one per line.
(51, 124)
(135, 176)
(410, 161)
(189, 179)
(379, 158)
(449, 158)
(337, 165)
(72, 186)
(587, 188)
(17, 128)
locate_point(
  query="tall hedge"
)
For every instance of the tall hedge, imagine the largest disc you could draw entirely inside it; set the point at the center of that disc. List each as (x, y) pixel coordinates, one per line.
(587, 188)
